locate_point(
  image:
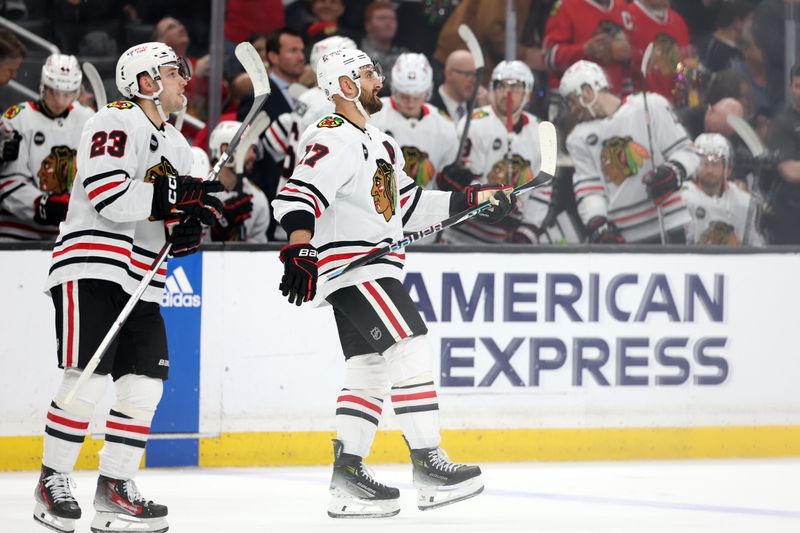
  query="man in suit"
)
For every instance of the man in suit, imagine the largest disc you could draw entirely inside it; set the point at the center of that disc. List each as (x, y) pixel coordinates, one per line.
(453, 95)
(286, 58)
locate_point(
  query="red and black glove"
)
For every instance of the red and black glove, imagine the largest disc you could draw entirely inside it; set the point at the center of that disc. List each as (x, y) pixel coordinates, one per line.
(502, 205)
(10, 150)
(299, 281)
(50, 209)
(666, 179)
(603, 231)
(235, 211)
(186, 196)
(454, 177)
(185, 236)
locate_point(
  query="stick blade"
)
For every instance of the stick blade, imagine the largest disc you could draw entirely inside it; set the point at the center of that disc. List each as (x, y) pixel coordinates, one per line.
(250, 138)
(471, 41)
(648, 53)
(746, 133)
(251, 61)
(96, 82)
(548, 147)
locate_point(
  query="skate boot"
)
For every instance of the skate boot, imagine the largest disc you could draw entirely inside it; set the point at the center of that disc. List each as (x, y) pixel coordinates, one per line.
(56, 508)
(354, 492)
(440, 482)
(120, 508)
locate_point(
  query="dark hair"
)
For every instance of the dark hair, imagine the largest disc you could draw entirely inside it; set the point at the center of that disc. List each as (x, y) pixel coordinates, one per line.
(795, 72)
(253, 37)
(729, 11)
(10, 46)
(274, 38)
(724, 84)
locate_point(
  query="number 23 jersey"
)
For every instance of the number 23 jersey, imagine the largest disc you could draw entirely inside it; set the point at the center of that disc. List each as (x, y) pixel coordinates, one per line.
(107, 234)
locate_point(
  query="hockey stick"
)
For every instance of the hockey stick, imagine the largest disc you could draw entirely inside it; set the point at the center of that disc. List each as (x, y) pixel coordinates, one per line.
(259, 126)
(251, 61)
(475, 49)
(96, 83)
(756, 147)
(645, 61)
(547, 144)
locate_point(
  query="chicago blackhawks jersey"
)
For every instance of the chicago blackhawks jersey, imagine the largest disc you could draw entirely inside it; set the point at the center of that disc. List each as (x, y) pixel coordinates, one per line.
(107, 234)
(46, 161)
(612, 157)
(728, 219)
(428, 142)
(349, 185)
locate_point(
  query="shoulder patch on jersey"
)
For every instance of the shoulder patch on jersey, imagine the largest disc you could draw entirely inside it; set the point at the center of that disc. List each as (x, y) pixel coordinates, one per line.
(445, 115)
(480, 113)
(330, 122)
(13, 111)
(121, 104)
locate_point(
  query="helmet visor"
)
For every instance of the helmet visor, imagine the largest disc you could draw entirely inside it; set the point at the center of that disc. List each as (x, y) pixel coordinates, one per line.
(183, 66)
(371, 72)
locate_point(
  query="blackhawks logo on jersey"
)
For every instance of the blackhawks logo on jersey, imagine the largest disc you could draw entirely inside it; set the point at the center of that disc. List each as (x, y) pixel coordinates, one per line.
(479, 113)
(57, 170)
(719, 233)
(330, 122)
(162, 169)
(417, 165)
(666, 55)
(121, 104)
(384, 190)
(13, 111)
(521, 171)
(622, 158)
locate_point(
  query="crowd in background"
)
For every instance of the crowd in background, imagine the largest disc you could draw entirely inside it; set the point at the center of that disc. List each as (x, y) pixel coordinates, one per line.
(710, 59)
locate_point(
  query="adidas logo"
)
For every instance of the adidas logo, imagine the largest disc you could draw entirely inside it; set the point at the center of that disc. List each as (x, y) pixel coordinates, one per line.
(179, 292)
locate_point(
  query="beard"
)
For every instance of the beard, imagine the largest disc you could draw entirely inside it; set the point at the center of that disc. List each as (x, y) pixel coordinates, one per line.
(372, 104)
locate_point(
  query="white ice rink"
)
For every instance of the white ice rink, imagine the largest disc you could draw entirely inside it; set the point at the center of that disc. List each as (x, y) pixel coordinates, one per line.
(761, 496)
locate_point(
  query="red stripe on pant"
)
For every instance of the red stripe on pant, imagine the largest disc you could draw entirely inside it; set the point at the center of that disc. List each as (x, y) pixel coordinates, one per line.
(386, 309)
(70, 336)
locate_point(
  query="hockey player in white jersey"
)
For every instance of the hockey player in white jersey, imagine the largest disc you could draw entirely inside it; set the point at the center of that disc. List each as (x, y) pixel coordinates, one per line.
(426, 137)
(244, 206)
(131, 188)
(502, 147)
(35, 187)
(722, 213)
(347, 196)
(621, 182)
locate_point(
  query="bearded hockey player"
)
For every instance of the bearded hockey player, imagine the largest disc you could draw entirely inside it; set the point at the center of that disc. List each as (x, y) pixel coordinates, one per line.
(130, 190)
(722, 213)
(623, 172)
(245, 208)
(348, 195)
(427, 139)
(35, 187)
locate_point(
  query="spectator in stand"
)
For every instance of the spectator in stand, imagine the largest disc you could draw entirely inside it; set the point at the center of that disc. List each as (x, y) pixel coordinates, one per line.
(12, 52)
(594, 30)
(769, 28)
(730, 84)
(326, 22)
(452, 96)
(488, 21)
(654, 22)
(72, 19)
(259, 42)
(753, 68)
(722, 51)
(380, 24)
(711, 118)
(699, 17)
(784, 222)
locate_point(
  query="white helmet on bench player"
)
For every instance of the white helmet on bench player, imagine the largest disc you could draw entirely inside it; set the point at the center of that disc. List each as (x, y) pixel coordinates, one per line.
(147, 58)
(713, 144)
(508, 74)
(412, 74)
(579, 74)
(222, 135)
(61, 72)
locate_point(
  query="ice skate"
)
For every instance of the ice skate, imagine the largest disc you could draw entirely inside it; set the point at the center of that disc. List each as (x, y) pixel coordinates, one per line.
(355, 493)
(441, 482)
(56, 508)
(120, 509)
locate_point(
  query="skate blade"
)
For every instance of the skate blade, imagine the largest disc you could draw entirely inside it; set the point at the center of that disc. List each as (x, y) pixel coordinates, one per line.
(120, 523)
(434, 497)
(350, 507)
(56, 523)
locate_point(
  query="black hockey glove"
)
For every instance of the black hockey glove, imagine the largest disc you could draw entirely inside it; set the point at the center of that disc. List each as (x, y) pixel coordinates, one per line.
(50, 209)
(603, 231)
(185, 195)
(561, 195)
(666, 179)
(299, 280)
(497, 195)
(235, 211)
(11, 148)
(185, 236)
(454, 177)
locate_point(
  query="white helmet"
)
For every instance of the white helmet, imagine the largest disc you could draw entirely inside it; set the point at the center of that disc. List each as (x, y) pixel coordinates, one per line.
(582, 73)
(713, 144)
(342, 62)
(62, 73)
(330, 44)
(412, 74)
(514, 71)
(147, 58)
(200, 164)
(222, 134)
